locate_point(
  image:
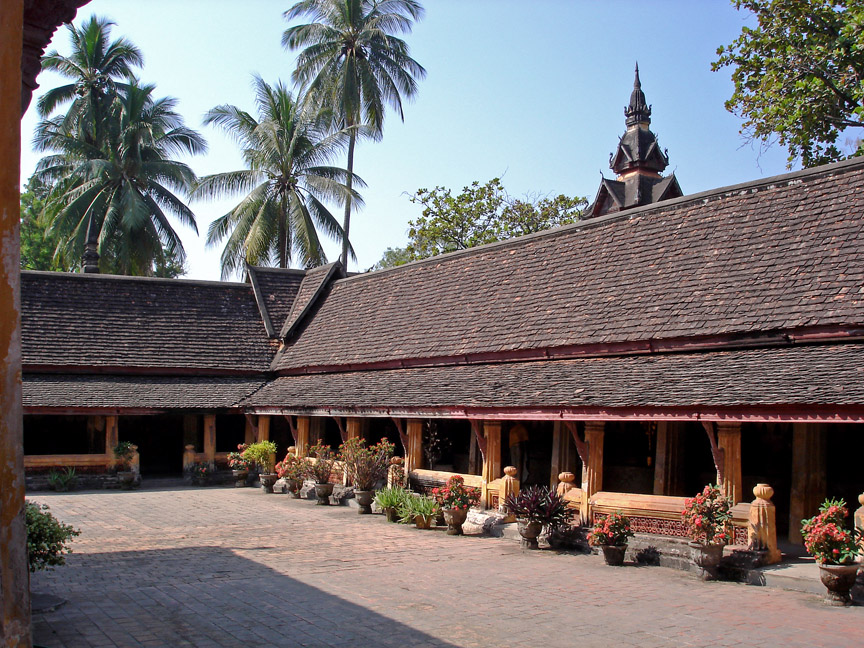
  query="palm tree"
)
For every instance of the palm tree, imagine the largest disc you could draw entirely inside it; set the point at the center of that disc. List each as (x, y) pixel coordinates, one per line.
(110, 197)
(98, 69)
(353, 64)
(285, 182)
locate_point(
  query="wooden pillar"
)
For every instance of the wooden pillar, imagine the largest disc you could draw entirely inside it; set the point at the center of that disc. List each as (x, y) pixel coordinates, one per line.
(112, 438)
(729, 441)
(316, 429)
(492, 456)
(355, 427)
(302, 443)
(251, 431)
(210, 438)
(808, 475)
(414, 460)
(14, 576)
(592, 472)
(263, 427)
(563, 459)
(667, 476)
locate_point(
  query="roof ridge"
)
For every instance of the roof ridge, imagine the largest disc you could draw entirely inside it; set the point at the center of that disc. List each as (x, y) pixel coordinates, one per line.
(166, 280)
(843, 166)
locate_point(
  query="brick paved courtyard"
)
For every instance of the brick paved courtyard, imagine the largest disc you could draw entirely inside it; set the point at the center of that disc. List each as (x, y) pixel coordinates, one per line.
(233, 567)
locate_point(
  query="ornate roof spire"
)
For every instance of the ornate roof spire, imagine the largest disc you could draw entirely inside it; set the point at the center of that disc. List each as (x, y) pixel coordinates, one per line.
(638, 112)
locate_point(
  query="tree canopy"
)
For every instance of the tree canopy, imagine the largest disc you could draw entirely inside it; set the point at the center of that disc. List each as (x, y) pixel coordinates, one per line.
(799, 76)
(479, 214)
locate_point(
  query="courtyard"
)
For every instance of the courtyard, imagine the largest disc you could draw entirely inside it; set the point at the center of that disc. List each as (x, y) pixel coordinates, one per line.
(170, 565)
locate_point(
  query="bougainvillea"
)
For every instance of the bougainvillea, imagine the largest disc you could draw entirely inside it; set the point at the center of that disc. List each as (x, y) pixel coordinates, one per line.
(707, 516)
(826, 537)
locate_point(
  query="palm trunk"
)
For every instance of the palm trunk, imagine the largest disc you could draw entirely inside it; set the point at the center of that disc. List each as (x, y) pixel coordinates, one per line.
(282, 237)
(346, 223)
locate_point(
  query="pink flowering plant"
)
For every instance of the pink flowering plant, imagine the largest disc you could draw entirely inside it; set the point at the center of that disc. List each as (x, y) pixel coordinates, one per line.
(613, 530)
(291, 468)
(707, 516)
(236, 460)
(826, 537)
(456, 495)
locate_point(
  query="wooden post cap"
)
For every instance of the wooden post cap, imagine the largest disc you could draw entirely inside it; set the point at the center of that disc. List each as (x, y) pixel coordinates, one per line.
(566, 477)
(861, 499)
(292, 450)
(396, 461)
(190, 448)
(510, 471)
(763, 491)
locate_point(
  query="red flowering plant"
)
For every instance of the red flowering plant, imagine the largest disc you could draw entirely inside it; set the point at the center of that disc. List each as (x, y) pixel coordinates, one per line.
(291, 468)
(707, 516)
(613, 530)
(826, 537)
(456, 495)
(236, 460)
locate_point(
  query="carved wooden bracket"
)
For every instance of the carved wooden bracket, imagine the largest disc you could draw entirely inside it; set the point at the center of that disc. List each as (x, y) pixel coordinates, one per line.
(253, 423)
(581, 446)
(477, 427)
(716, 451)
(292, 425)
(400, 428)
(341, 424)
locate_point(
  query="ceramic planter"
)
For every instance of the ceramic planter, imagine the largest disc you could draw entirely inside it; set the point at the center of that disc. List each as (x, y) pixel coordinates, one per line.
(455, 518)
(707, 558)
(614, 554)
(240, 478)
(323, 493)
(838, 580)
(529, 531)
(364, 501)
(267, 481)
(390, 513)
(126, 479)
(294, 487)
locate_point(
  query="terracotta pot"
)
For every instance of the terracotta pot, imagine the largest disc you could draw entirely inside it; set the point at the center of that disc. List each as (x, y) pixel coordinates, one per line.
(240, 478)
(323, 492)
(126, 479)
(455, 518)
(423, 521)
(838, 580)
(267, 481)
(364, 500)
(614, 554)
(390, 513)
(707, 558)
(529, 531)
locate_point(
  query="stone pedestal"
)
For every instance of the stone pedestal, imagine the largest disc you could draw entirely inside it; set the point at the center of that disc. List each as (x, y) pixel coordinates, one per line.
(509, 486)
(762, 527)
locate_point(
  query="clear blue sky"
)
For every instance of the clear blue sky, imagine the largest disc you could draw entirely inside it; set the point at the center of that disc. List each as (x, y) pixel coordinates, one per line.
(532, 92)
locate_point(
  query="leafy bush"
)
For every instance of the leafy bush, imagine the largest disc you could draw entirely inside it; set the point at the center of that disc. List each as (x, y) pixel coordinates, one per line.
(366, 466)
(613, 530)
(707, 516)
(826, 537)
(62, 480)
(414, 505)
(321, 468)
(46, 538)
(540, 504)
(392, 497)
(262, 453)
(123, 452)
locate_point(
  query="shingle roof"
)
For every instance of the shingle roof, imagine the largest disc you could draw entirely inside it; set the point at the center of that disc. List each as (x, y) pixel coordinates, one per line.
(275, 290)
(314, 284)
(781, 253)
(136, 392)
(72, 321)
(830, 375)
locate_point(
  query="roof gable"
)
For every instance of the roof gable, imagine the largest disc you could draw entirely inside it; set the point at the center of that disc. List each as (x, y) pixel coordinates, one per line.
(314, 283)
(275, 290)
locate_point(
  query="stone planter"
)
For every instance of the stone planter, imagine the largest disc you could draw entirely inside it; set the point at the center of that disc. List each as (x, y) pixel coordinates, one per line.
(391, 514)
(323, 493)
(267, 481)
(529, 531)
(423, 521)
(838, 580)
(364, 500)
(294, 487)
(614, 554)
(707, 558)
(455, 518)
(126, 479)
(240, 478)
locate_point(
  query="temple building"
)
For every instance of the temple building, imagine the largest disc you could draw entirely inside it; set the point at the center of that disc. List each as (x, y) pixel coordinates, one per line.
(662, 343)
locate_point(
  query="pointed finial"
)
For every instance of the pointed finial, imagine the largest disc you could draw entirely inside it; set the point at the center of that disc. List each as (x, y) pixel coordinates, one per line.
(636, 82)
(638, 111)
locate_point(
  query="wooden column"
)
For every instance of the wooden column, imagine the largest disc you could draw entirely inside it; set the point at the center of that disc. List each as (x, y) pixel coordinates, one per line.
(808, 475)
(729, 441)
(562, 452)
(302, 444)
(667, 477)
(414, 460)
(209, 438)
(355, 427)
(592, 472)
(316, 429)
(263, 427)
(112, 436)
(492, 455)
(14, 576)
(251, 431)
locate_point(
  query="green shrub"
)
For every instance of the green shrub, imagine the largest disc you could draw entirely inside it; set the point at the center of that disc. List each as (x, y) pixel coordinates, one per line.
(391, 497)
(46, 537)
(62, 480)
(262, 453)
(415, 505)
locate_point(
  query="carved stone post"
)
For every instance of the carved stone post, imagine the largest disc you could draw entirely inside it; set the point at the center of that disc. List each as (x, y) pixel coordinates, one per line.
(565, 483)
(808, 475)
(414, 460)
(729, 441)
(491, 457)
(396, 473)
(592, 472)
(859, 518)
(762, 528)
(302, 443)
(209, 438)
(509, 486)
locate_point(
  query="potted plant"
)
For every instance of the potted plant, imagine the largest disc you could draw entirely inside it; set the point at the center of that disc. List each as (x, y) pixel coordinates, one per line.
(124, 452)
(611, 535)
(319, 468)
(706, 518)
(455, 499)
(365, 467)
(62, 481)
(198, 473)
(390, 500)
(536, 508)
(835, 549)
(291, 469)
(263, 454)
(419, 510)
(239, 465)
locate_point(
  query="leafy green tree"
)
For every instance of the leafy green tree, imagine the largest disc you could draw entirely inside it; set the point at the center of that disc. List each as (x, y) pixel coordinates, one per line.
(798, 75)
(37, 246)
(114, 193)
(285, 182)
(479, 214)
(353, 64)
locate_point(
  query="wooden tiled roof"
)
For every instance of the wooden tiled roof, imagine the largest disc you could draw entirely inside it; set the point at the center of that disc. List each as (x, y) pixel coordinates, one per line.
(275, 290)
(775, 255)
